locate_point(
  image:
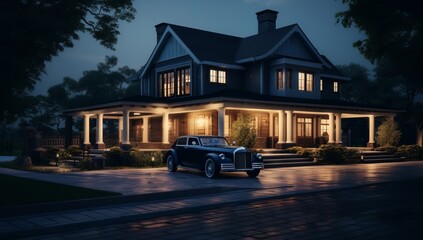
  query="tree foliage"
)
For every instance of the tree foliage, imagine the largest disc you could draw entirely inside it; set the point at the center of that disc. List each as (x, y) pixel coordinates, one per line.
(35, 31)
(394, 40)
(243, 132)
(388, 133)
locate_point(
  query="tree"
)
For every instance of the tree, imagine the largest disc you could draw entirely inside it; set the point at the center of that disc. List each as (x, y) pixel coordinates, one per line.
(394, 31)
(352, 91)
(388, 133)
(243, 132)
(35, 31)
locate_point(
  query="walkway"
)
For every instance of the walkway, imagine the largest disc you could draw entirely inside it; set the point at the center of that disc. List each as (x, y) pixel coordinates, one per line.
(235, 188)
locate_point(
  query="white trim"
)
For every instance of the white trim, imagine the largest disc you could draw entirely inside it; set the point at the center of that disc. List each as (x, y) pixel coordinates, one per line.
(222, 65)
(295, 29)
(296, 62)
(161, 43)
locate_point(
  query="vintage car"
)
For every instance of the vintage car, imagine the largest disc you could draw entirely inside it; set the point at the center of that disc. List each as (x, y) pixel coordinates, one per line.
(212, 155)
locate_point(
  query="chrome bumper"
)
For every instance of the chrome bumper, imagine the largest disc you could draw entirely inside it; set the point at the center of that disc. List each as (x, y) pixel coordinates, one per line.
(230, 167)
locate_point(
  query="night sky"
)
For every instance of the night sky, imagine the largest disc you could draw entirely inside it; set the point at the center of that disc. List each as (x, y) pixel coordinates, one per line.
(233, 17)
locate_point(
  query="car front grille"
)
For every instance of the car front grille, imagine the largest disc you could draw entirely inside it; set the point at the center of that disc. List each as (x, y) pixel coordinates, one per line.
(243, 160)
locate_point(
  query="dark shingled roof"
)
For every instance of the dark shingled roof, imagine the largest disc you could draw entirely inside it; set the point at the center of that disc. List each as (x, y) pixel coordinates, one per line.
(208, 46)
(260, 44)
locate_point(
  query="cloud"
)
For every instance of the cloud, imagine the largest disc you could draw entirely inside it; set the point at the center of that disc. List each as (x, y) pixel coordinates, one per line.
(266, 3)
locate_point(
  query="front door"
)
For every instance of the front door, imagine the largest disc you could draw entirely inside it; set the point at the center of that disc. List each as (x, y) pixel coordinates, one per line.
(305, 131)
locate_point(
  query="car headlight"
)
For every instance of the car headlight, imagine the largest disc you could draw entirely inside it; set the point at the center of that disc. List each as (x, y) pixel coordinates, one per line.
(259, 156)
(222, 156)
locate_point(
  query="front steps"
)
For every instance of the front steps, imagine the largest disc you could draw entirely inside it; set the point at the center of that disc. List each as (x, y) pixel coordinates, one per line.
(275, 158)
(377, 156)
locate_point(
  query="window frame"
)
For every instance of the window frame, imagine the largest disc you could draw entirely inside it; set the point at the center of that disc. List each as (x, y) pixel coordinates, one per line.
(218, 76)
(335, 86)
(174, 82)
(305, 84)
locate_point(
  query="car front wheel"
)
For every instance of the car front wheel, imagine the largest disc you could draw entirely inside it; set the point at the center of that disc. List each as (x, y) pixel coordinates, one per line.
(171, 165)
(210, 169)
(253, 173)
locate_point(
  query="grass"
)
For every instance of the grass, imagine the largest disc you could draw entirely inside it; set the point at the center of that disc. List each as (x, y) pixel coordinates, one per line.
(20, 191)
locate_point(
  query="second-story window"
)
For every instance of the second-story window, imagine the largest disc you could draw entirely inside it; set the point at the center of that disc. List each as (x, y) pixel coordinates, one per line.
(305, 81)
(217, 76)
(335, 87)
(175, 83)
(279, 79)
(321, 85)
(167, 81)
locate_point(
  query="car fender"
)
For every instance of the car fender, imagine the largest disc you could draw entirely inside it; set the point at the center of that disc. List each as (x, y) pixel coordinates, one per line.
(173, 153)
(214, 157)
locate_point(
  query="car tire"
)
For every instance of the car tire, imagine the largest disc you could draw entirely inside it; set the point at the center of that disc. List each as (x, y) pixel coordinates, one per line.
(210, 168)
(253, 173)
(171, 164)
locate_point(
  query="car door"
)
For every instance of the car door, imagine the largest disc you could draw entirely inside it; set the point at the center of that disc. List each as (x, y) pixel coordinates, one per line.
(193, 152)
(181, 149)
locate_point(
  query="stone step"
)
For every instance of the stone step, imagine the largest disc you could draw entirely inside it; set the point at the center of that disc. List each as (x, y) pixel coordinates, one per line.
(378, 156)
(287, 160)
(280, 155)
(288, 164)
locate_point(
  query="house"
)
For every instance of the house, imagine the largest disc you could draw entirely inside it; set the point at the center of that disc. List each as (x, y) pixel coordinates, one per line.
(199, 82)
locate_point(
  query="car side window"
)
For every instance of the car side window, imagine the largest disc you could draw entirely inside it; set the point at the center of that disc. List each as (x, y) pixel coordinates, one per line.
(182, 141)
(193, 142)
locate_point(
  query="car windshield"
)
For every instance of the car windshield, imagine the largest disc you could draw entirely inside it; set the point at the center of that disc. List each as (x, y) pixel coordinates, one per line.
(213, 141)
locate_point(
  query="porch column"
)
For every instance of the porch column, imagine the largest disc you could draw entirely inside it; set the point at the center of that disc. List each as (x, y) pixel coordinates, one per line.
(165, 128)
(331, 128)
(271, 127)
(289, 127)
(221, 121)
(87, 130)
(338, 135)
(125, 131)
(371, 142)
(99, 132)
(281, 126)
(120, 129)
(145, 129)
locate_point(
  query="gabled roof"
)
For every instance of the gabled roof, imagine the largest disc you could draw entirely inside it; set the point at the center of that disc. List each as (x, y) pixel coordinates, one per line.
(224, 50)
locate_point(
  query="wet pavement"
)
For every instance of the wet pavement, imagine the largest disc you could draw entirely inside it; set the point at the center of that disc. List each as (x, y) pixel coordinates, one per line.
(236, 190)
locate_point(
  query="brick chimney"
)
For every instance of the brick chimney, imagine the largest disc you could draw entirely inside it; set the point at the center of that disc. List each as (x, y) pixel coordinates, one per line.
(160, 29)
(266, 20)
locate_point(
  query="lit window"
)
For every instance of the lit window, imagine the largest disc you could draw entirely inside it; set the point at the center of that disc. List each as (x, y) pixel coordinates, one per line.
(305, 81)
(335, 87)
(279, 79)
(324, 126)
(213, 75)
(321, 85)
(217, 76)
(309, 82)
(301, 81)
(175, 83)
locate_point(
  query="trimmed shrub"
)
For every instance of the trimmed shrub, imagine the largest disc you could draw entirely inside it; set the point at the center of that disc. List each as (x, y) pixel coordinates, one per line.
(388, 149)
(294, 149)
(306, 153)
(410, 152)
(243, 132)
(74, 150)
(115, 156)
(331, 154)
(85, 164)
(388, 133)
(145, 159)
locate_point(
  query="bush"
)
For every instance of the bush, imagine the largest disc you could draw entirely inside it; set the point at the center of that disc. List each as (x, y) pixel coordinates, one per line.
(145, 159)
(74, 150)
(333, 154)
(388, 149)
(85, 164)
(306, 153)
(295, 149)
(388, 133)
(115, 156)
(243, 132)
(411, 152)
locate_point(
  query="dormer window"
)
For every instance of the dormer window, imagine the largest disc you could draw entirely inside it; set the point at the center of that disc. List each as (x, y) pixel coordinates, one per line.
(217, 76)
(335, 87)
(321, 85)
(175, 83)
(305, 81)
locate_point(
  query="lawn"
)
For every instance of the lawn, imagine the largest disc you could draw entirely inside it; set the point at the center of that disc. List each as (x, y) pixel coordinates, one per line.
(19, 191)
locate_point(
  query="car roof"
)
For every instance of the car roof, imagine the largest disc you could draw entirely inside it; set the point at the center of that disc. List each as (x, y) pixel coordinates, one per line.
(200, 136)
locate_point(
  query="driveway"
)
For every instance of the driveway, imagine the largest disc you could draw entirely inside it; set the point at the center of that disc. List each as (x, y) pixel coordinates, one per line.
(280, 180)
